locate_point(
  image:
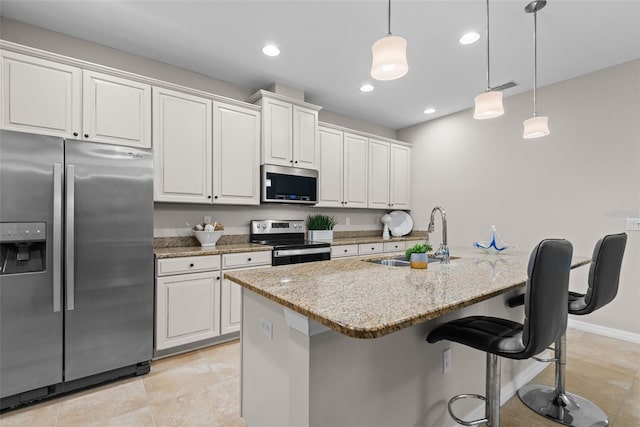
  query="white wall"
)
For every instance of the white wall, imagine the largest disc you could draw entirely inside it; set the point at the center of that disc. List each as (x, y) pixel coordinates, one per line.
(579, 183)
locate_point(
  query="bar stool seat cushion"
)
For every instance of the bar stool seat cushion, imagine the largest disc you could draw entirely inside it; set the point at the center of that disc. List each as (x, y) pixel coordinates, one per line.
(489, 334)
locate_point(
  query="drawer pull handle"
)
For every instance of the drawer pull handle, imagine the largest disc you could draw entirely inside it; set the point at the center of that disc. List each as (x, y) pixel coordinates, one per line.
(218, 278)
(248, 259)
(346, 250)
(191, 265)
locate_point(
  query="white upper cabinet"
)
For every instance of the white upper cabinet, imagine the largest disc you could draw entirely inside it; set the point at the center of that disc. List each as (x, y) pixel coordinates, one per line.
(181, 147)
(305, 134)
(116, 110)
(236, 155)
(330, 168)
(342, 176)
(400, 177)
(355, 170)
(289, 131)
(50, 98)
(277, 134)
(378, 174)
(40, 96)
(389, 175)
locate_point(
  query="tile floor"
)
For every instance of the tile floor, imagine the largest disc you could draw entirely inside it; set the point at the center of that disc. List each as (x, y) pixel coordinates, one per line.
(201, 388)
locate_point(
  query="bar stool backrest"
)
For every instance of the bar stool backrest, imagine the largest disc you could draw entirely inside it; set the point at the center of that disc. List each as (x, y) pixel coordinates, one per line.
(604, 272)
(546, 295)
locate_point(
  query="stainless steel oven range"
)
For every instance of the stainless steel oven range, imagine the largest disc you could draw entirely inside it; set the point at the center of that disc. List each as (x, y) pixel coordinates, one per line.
(288, 240)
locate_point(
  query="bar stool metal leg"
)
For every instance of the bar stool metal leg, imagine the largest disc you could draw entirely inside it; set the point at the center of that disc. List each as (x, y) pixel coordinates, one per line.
(559, 405)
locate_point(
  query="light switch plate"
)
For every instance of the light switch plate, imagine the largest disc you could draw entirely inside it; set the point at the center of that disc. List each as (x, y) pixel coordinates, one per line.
(633, 224)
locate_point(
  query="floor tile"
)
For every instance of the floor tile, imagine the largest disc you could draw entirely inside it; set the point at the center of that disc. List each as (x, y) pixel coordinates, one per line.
(43, 414)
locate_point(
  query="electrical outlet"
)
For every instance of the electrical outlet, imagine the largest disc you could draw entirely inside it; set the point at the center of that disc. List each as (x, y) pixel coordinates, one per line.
(633, 224)
(206, 219)
(347, 221)
(266, 327)
(446, 361)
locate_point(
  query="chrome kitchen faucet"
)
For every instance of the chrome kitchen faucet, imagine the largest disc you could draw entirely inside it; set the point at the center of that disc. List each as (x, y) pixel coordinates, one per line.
(443, 251)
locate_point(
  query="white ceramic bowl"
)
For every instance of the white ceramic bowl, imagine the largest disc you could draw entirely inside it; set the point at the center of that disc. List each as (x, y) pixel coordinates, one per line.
(207, 238)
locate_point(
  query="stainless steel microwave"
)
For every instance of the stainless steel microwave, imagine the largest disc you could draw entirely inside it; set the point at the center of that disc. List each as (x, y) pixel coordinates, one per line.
(283, 184)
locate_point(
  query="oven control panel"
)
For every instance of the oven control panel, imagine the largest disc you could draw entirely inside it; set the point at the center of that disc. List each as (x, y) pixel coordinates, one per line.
(270, 226)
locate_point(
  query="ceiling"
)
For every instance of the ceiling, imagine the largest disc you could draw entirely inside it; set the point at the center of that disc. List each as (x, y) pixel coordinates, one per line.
(326, 45)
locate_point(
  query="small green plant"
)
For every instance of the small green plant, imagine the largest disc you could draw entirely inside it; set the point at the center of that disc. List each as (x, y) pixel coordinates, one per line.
(420, 248)
(321, 222)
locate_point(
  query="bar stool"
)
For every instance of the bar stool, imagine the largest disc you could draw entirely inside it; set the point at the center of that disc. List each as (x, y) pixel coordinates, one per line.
(545, 321)
(556, 403)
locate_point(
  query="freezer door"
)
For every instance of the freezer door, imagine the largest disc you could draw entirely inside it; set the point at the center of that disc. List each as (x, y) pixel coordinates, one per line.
(109, 281)
(30, 315)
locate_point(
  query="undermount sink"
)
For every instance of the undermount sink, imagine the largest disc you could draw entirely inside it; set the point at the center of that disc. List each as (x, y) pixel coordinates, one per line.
(397, 262)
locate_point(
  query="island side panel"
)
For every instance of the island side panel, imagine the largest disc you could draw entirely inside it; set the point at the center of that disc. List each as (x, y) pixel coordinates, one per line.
(265, 363)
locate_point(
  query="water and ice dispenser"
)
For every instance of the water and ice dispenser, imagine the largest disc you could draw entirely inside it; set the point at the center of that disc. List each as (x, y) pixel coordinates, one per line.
(22, 247)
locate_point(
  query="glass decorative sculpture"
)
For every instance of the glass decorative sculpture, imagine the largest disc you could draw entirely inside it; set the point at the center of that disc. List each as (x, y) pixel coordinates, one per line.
(495, 245)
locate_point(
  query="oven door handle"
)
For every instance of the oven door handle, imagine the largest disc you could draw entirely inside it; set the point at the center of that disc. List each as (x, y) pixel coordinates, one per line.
(293, 252)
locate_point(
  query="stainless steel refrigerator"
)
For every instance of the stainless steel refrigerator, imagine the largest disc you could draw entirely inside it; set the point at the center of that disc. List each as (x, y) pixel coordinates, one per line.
(76, 278)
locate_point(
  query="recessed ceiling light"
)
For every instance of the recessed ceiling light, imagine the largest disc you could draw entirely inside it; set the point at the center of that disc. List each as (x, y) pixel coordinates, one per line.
(271, 50)
(430, 111)
(469, 38)
(366, 87)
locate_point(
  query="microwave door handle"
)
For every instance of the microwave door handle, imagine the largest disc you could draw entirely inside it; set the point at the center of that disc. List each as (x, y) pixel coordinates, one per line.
(69, 238)
(57, 236)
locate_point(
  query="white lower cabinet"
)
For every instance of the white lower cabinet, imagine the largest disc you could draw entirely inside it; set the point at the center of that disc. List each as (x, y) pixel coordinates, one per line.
(187, 300)
(187, 308)
(344, 251)
(231, 293)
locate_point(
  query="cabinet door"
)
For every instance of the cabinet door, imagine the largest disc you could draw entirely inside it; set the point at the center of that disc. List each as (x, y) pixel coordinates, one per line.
(277, 132)
(400, 177)
(187, 308)
(305, 145)
(40, 96)
(231, 307)
(181, 147)
(378, 174)
(231, 304)
(236, 151)
(330, 168)
(115, 110)
(355, 171)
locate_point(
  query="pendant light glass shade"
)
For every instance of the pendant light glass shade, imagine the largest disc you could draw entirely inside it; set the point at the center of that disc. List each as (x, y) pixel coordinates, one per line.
(389, 58)
(535, 127)
(488, 105)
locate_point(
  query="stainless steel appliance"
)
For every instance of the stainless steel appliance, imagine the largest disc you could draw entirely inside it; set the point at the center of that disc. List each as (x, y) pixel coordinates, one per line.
(283, 184)
(76, 271)
(288, 241)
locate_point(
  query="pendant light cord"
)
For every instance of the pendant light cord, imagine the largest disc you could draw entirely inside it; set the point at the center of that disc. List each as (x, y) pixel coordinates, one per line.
(389, 19)
(488, 62)
(535, 62)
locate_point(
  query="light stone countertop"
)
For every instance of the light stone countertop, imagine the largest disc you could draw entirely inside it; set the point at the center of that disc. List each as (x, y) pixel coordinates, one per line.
(183, 251)
(365, 300)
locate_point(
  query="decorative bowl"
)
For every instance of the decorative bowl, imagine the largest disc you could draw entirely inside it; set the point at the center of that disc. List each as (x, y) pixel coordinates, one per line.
(207, 239)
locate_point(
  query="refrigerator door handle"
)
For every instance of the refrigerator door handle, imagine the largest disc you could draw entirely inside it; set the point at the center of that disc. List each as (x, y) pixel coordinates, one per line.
(69, 237)
(57, 236)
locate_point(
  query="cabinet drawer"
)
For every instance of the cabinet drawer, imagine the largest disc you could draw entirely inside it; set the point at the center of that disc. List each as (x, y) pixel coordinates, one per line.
(394, 246)
(188, 264)
(344, 251)
(246, 259)
(370, 248)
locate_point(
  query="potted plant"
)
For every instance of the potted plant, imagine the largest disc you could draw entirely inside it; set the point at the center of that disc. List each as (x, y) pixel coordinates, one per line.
(417, 255)
(320, 227)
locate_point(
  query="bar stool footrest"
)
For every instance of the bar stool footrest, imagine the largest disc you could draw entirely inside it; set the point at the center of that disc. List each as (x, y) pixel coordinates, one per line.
(461, 421)
(568, 409)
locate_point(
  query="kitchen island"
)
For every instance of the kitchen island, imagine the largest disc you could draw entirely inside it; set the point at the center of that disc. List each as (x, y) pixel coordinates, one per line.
(342, 342)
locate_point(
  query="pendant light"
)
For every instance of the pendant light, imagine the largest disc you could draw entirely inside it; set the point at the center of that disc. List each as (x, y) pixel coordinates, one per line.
(389, 55)
(489, 104)
(536, 126)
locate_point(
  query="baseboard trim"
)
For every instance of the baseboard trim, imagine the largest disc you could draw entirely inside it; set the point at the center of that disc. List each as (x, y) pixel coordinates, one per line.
(509, 390)
(605, 331)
